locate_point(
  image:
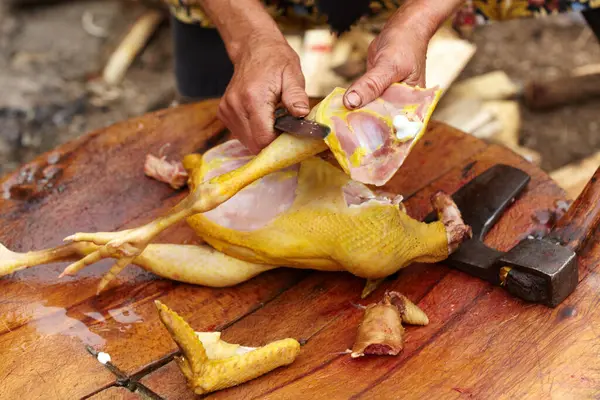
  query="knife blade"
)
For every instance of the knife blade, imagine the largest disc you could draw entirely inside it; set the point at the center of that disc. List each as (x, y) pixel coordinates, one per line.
(299, 126)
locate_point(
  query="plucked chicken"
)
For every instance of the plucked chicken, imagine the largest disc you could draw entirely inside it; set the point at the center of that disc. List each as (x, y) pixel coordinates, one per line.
(286, 206)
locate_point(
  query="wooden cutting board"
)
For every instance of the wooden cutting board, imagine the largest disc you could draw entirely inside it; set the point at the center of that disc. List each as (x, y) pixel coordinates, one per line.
(480, 343)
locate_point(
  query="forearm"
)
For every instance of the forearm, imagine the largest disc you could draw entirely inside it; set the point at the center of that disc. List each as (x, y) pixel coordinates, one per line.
(424, 17)
(239, 21)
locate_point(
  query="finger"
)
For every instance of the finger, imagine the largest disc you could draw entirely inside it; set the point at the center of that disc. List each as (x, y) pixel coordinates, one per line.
(261, 120)
(371, 85)
(293, 95)
(260, 104)
(235, 118)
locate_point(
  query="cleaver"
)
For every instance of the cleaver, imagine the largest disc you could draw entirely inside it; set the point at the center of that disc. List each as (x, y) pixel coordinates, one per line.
(538, 270)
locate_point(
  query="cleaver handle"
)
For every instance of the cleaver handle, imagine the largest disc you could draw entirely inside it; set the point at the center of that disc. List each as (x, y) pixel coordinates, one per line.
(580, 221)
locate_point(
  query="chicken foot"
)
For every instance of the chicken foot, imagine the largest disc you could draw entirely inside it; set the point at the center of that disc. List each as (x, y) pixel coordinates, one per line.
(125, 245)
(209, 364)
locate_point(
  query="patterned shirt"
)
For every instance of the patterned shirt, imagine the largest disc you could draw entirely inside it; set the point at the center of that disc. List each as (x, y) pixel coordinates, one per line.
(305, 14)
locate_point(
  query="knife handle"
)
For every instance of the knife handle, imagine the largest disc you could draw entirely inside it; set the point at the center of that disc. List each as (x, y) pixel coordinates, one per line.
(280, 112)
(581, 219)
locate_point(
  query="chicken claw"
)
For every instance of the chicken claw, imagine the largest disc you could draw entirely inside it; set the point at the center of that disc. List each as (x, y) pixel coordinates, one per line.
(99, 238)
(210, 364)
(124, 246)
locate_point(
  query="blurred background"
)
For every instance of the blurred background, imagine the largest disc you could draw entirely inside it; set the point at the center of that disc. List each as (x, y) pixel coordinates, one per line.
(70, 67)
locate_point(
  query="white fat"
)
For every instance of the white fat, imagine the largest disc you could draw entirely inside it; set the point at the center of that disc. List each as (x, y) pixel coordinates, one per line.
(217, 348)
(405, 128)
(103, 357)
(245, 349)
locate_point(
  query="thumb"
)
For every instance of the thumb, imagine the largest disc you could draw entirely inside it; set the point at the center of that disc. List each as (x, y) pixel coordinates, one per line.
(370, 86)
(293, 95)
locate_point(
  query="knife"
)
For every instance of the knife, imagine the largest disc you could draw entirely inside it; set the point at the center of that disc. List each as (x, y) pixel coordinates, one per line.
(299, 126)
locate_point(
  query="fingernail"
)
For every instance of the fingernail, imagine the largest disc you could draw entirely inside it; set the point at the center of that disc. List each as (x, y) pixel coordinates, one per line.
(353, 99)
(300, 106)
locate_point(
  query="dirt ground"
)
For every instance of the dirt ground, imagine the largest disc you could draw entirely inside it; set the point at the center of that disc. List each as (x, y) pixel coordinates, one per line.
(49, 75)
(49, 68)
(545, 48)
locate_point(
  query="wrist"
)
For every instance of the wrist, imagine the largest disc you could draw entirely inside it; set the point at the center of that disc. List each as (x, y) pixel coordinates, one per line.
(252, 40)
(241, 23)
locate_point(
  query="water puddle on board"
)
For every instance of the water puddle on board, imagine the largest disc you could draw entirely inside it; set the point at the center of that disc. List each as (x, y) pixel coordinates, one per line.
(49, 320)
(57, 321)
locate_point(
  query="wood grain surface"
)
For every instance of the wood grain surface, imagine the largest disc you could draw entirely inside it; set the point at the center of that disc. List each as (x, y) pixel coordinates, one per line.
(480, 343)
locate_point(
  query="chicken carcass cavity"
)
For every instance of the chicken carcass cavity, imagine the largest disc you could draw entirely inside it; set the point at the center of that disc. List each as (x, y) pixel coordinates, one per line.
(371, 143)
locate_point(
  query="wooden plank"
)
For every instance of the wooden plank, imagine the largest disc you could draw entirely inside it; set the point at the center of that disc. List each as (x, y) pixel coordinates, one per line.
(42, 365)
(447, 300)
(42, 316)
(115, 393)
(546, 94)
(495, 85)
(521, 352)
(106, 167)
(447, 56)
(327, 320)
(169, 383)
(36, 309)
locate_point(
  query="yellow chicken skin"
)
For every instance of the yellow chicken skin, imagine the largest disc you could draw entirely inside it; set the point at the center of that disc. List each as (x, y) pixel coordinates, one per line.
(283, 207)
(313, 216)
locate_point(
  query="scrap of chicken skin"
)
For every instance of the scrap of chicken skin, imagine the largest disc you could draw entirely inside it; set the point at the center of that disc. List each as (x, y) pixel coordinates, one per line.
(381, 331)
(171, 172)
(365, 141)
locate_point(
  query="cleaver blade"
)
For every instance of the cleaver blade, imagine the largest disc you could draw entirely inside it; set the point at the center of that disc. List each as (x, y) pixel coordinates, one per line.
(299, 126)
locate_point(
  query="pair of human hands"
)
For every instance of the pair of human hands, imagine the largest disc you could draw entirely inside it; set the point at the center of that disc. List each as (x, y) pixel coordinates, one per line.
(267, 71)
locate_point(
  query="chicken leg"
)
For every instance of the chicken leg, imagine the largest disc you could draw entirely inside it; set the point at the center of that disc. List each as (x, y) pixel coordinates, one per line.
(194, 264)
(124, 246)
